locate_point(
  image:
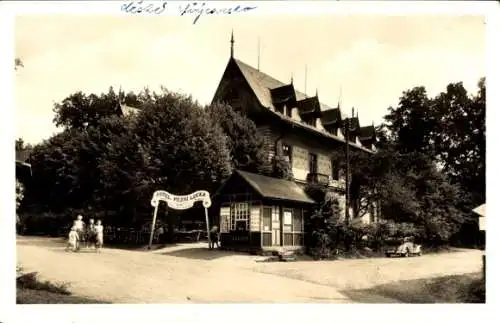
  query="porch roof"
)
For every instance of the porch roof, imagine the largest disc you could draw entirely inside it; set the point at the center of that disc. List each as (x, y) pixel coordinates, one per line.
(274, 188)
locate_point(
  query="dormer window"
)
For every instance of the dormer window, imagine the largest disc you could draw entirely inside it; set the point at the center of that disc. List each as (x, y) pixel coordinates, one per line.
(288, 111)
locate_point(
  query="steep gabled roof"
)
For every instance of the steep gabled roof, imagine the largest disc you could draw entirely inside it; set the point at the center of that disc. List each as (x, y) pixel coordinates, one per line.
(262, 85)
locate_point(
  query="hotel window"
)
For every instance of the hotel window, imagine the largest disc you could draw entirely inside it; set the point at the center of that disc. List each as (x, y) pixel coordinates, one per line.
(240, 215)
(293, 220)
(293, 227)
(335, 170)
(287, 152)
(313, 163)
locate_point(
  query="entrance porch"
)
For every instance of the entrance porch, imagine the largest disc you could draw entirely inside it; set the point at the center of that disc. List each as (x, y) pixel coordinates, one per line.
(260, 213)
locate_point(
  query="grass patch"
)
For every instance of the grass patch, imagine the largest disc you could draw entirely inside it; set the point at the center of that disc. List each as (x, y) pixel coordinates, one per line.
(32, 296)
(468, 288)
(31, 290)
(31, 281)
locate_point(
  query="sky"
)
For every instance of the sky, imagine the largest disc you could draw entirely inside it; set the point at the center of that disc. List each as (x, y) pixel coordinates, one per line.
(365, 62)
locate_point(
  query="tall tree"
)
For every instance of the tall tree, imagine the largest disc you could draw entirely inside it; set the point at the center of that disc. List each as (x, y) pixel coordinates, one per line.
(409, 188)
(411, 124)
(57, 169)
(449, 128)
(460, 139)
(186, 149)
(115, 162)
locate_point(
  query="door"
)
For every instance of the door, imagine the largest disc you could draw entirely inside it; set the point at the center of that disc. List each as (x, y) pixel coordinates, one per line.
(276, 227)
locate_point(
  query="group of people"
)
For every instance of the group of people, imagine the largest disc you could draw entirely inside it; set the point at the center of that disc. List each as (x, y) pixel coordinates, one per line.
(91, 235)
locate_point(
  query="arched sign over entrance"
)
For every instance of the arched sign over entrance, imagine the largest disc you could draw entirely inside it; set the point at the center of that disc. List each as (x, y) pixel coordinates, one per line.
(180, 202)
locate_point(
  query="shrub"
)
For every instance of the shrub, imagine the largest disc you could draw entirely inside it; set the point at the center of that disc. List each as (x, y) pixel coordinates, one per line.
(324, 226)
(281, 168)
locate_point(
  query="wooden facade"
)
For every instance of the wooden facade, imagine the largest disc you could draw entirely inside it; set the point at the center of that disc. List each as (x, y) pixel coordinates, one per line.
(301, 128)
(261, 213)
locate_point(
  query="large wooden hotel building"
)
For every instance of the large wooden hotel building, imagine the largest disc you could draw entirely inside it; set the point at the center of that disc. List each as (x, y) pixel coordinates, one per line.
(266, 213)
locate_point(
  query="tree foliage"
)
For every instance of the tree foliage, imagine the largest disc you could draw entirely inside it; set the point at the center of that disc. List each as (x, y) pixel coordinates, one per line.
(245, 144)
(104, 161)
(80, 110)
(409, 188)
(429, 167)
(449, 128)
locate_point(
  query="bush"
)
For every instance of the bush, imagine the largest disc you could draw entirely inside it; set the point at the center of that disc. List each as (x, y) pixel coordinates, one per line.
(324, 226)
(281, 168)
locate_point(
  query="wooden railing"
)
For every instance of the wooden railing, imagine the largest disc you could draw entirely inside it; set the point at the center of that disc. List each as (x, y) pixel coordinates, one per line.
(317, 178)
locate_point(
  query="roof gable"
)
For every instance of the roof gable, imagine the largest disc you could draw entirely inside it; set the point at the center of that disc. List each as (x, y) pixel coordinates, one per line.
(367, 133)
(331, 117)
(309, 106)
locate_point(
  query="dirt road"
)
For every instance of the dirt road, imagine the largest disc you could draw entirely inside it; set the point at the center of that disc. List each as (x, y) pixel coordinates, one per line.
(192, 273)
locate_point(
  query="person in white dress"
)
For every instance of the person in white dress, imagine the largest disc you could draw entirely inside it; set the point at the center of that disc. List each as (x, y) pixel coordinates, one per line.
(99, 232)
(80, 229)
(72, 240)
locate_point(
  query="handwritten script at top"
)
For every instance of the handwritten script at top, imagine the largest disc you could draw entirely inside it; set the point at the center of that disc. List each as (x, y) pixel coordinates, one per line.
(196, 9)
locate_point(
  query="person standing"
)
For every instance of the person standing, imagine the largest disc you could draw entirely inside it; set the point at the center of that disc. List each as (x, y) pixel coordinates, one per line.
(91, 234)
(99, 235)
(79, 226)
(214, 237)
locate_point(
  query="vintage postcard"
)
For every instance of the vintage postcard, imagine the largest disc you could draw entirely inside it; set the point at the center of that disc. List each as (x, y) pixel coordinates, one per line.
(248, 153)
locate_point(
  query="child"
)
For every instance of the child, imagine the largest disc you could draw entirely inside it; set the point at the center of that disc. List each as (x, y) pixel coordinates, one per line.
(99, 232)
(72, 240)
